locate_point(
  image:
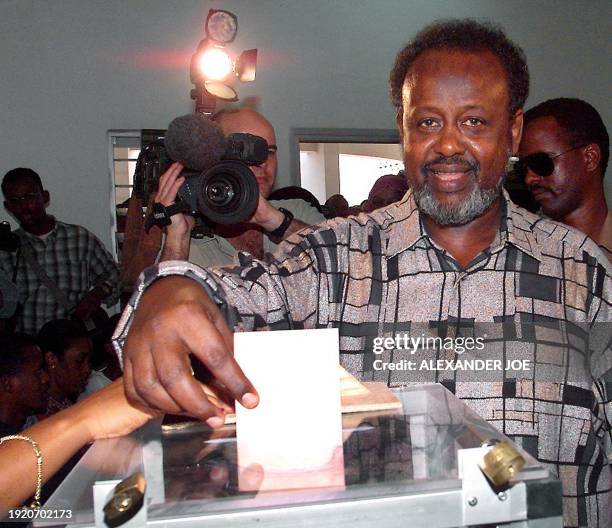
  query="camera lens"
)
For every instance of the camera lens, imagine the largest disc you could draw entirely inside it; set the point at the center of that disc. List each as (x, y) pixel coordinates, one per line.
(220, 193)
(229, 193)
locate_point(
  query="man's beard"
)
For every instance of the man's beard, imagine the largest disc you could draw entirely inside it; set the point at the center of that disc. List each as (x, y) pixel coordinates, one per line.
(562, 205)
(478, 201)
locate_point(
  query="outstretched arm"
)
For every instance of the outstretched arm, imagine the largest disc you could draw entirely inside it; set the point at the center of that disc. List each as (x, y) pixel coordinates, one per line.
(176, 317)
(105, 414)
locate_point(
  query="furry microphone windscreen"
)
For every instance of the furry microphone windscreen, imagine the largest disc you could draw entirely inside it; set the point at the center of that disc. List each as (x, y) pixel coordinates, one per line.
(195, 141)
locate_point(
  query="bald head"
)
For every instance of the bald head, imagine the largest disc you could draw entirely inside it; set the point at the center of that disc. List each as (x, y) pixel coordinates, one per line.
(232, 121)
(248, 121)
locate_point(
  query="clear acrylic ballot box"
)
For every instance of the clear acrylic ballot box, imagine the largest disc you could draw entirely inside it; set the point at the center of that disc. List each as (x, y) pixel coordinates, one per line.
(417, 466)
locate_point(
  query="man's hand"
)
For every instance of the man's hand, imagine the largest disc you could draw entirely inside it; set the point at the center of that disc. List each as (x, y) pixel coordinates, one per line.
(178, 232)
(269, 218)
(176, 318)
(266, 215)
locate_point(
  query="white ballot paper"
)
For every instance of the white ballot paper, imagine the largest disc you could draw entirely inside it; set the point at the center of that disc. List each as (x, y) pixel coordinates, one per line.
(293, 438)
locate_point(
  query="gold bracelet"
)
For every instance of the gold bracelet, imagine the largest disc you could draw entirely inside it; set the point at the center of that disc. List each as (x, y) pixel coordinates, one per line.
(36, 502)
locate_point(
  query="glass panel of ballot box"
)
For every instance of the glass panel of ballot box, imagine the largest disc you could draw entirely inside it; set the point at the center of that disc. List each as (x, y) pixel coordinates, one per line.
(415, 466)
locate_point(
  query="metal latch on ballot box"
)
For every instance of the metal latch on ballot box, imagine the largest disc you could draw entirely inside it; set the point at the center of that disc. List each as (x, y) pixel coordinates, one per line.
(122, 502)
(486, 473)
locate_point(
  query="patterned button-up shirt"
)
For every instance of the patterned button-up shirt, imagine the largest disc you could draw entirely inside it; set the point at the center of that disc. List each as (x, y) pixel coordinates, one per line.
(73, 258)
(537, 294)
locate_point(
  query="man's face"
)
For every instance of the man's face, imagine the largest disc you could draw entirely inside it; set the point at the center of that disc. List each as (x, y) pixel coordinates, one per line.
(457, 133)
(27, 202)
(31, 383)
(562, 192)
(250, 122)
(74, 369)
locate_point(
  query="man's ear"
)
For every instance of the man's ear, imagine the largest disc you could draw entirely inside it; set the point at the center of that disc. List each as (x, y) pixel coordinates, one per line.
(592, 156)
(399, 121)
(46, 197)
(516, 129)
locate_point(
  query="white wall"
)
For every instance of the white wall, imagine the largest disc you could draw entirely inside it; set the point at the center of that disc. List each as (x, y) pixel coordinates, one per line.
(320, 166)
(312, 167)
(72, 69)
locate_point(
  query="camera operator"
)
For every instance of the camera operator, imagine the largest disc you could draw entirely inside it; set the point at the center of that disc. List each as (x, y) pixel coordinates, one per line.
(59, 269)
(271, 222)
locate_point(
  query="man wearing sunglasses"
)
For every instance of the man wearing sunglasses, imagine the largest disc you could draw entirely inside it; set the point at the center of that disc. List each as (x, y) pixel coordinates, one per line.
(271, 222)
(563, 158)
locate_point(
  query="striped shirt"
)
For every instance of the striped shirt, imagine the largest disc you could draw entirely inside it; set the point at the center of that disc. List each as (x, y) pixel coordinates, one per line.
(73, 258)
(541, 292)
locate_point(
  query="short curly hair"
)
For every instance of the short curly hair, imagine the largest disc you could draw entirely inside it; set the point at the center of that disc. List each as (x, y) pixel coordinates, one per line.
(17, 175)
(466, 35)
(579, 119)
(57, 335)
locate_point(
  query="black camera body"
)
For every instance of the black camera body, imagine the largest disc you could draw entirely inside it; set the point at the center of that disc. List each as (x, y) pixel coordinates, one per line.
(227, 192)
(9, 241)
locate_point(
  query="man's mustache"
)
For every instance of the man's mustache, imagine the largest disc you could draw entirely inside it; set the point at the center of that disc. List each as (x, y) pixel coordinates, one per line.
(533, 188)
(452, 160)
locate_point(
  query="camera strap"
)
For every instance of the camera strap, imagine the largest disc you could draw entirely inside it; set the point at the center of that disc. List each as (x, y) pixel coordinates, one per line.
(16, 268)
(60, 296)
(160, 214)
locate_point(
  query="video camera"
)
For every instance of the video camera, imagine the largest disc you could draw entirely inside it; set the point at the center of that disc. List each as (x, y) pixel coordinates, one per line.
(219, 186)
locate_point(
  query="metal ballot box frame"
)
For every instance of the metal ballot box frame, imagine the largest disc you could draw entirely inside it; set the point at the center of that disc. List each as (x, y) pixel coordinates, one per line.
(413, 467)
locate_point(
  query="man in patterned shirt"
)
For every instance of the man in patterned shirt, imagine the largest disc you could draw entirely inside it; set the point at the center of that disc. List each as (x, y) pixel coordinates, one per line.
(80, 272)
(454, 254)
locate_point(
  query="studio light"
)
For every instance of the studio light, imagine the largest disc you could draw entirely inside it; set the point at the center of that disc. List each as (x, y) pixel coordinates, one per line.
(245, 65)
(212, 65)
(221, 26)
(221, 91)
(215, 64)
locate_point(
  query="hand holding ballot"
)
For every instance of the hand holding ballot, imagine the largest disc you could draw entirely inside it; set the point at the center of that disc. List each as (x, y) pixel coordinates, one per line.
(176, 318)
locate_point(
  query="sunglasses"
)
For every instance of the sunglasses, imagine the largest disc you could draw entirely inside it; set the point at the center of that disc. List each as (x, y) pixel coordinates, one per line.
(540, 163)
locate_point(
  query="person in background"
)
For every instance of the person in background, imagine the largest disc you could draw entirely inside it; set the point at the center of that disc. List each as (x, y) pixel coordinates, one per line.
(386, 190)
(294, 192)
(564, 154)
(9, 300)
(271, 222)
(338, 205)
(105, 366)
(23, 382)
(67, 350)
(354, 210)
(58, 268)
